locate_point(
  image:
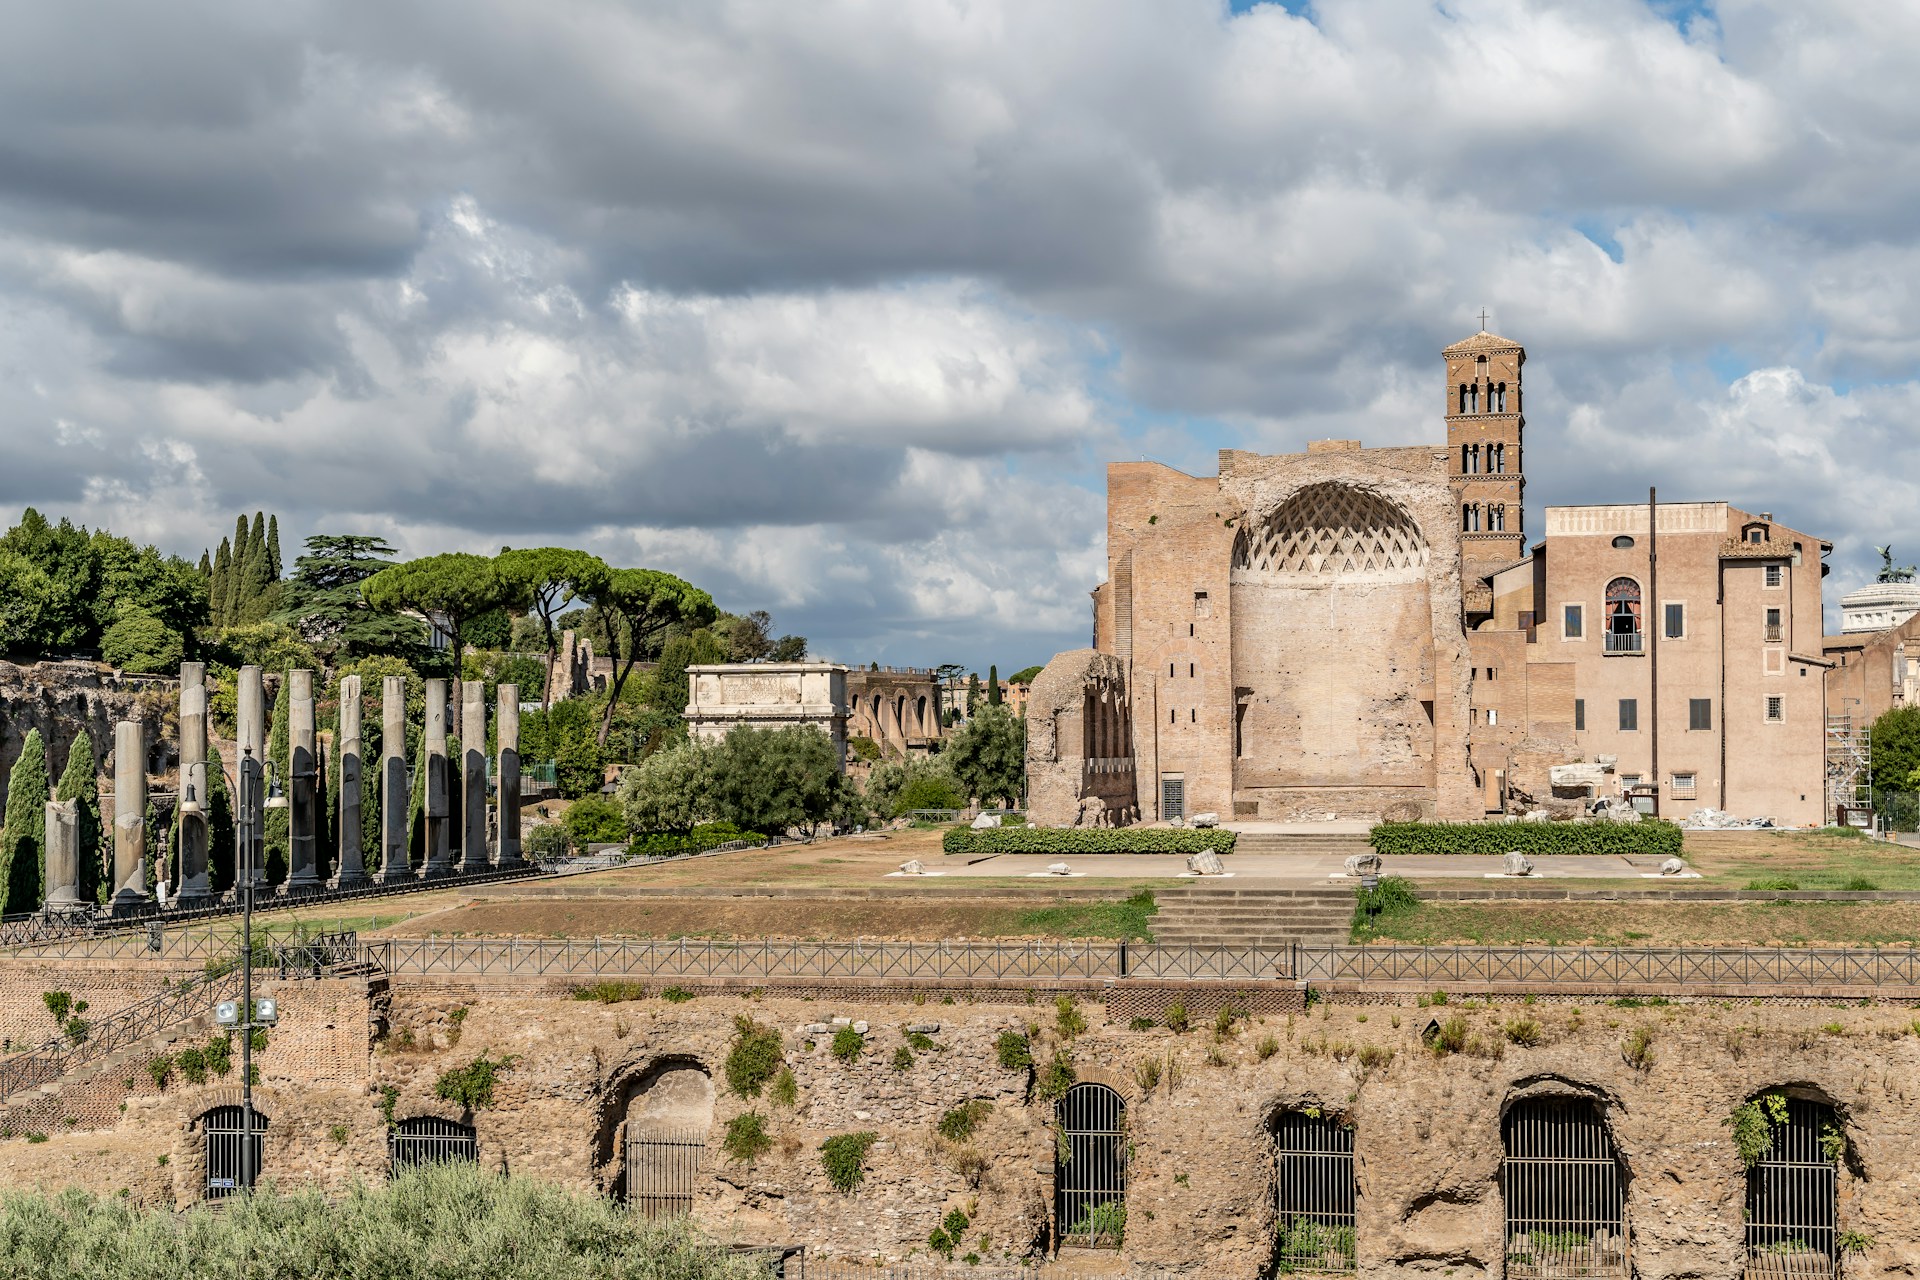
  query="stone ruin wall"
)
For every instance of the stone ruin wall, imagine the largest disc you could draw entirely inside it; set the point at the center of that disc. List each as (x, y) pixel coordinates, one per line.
(1079, 743)
(1199, 1200)
(60, 699)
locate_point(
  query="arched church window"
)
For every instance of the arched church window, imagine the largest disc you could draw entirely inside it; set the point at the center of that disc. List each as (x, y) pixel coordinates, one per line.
(1497, 517)
(1623, 616)
(1499, 457)
(1500, 398)
(1463, 398)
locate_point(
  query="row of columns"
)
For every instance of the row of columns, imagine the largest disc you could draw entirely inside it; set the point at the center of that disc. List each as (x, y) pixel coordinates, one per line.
(303, 791)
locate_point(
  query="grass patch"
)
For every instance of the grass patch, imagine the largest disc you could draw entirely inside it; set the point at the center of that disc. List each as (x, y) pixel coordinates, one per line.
(1392, 899)
(1657, 924)
(1123, 919)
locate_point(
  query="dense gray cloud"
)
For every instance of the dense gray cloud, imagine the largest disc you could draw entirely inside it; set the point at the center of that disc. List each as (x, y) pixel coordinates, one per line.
(839, 308)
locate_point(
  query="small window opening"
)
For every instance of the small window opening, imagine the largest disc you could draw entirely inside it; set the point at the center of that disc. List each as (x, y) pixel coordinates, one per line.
(1565, 1192)
(1776, 708)
(431, 1140)
(1314, 1195)
(1090, 1167)
(1793, 1191)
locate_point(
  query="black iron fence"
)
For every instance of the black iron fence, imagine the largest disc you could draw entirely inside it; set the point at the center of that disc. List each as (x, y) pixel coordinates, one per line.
(1458, 969)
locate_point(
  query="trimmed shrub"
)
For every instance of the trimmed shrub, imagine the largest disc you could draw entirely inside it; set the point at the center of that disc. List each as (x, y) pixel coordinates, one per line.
(1089, 840)
(1651, 836)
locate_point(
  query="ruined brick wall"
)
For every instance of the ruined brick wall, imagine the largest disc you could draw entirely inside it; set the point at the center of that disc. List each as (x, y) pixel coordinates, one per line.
(1079, 743)
(1427, 1128)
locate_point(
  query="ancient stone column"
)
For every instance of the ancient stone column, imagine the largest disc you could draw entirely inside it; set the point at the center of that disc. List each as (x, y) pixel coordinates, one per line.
(506, 727)
(473, 775)
(351, 862)
(194, 890)
(438, 850)
(394, 795)
(250, 771)
(303, 762)
(63, 855)
(129, 817)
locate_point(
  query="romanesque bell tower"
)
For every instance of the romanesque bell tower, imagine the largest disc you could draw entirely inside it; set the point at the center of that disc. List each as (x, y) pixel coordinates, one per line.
(1484, 428)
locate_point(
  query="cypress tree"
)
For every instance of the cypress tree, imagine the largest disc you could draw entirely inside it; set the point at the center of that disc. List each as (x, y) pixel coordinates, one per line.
(23, 841)
(256, 575)
(993, 686)
(80, 781)
(206, 563)
(274, 567)
(219, 824)
(230, 609)
(280, 755)
(217, 584)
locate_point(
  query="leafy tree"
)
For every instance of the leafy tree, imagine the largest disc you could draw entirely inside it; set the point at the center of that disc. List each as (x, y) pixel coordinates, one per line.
(1895, 743)
(670, 790)
(789, 649)
(271, 646)
(927, 777)
(141, 643)
(323, 601)
(668, 689)
(567, 733)
(973, 694)
(26, 600)
(220, 833)
(457, 586)
(80, 780)
(1026, 675)
(23, 841)
(636, 606)
(988, 756)
(993, 686)
(68, 581)
(547, 579)
(776, 779)
(140, 578)
(595, 820)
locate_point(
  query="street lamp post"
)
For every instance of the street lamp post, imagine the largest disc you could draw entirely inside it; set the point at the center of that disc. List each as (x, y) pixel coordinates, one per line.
(248, 1015)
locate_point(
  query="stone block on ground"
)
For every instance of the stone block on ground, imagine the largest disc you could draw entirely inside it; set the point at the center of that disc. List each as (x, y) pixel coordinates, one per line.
(913, 867)
(1517, 864)
(1673, 867)
(1206, 863)
(1059, 869)
(986, 821)
(1362, 864)
(1206, 819)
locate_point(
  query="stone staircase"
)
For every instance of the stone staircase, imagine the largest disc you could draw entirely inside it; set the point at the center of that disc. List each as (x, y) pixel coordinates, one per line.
(1319, 844)
(1220, 915)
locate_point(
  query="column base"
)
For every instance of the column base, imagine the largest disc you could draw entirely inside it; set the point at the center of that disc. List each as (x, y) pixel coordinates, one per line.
(130, 902)
(439, 871)
(354, 879)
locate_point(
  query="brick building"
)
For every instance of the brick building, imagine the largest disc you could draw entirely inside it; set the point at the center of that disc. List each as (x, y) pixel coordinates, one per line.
(1356, 633)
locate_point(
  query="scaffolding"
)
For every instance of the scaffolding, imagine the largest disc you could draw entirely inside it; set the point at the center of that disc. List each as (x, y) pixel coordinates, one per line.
(1849, 766)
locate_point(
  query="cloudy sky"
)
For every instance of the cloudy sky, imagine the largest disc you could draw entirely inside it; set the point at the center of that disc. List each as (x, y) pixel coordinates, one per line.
(840, 308)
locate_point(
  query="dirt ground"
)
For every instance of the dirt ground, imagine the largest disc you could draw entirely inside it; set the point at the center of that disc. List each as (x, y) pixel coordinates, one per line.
(722, 917)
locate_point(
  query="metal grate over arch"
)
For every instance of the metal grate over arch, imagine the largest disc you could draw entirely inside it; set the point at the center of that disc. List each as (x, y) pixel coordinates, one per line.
(1565, 1192)
(1090, 1166)
(1793, 1197)
(1314, 1195)
(428, 1140)
(1333, 530)
(233, 1158)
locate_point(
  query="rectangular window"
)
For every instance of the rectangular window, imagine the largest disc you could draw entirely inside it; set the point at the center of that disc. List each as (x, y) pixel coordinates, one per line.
(1773, 575)
(1493, 717)
(1699, 713)
(1579, 715)
(1629, 715)
(1776, 708)
(1683, 784)
(1573, 620)
(1676, 622)
(1773, 625)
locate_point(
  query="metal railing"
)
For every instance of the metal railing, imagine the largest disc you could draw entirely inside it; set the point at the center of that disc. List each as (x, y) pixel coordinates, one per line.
(1623, 642)
(1459, 969)
(1775, 631)
(39, 927)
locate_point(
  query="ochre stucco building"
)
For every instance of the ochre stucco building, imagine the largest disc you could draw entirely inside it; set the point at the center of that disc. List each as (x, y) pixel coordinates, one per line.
(1359, 633)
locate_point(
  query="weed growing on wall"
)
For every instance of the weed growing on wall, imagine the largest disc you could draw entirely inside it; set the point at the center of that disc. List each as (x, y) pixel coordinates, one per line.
(472, 1085)
(845, 1158)
(1013, 1050)
(754, 1057)
(959, 1123)
(847, 1044)
(785, 1090)
(747, 1138)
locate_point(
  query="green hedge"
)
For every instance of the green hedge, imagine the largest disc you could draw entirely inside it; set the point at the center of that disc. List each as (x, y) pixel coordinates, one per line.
(1653, 837)
(1088, 840)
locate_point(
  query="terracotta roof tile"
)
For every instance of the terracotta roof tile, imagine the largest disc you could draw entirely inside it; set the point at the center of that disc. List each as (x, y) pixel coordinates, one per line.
(1482, 341)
